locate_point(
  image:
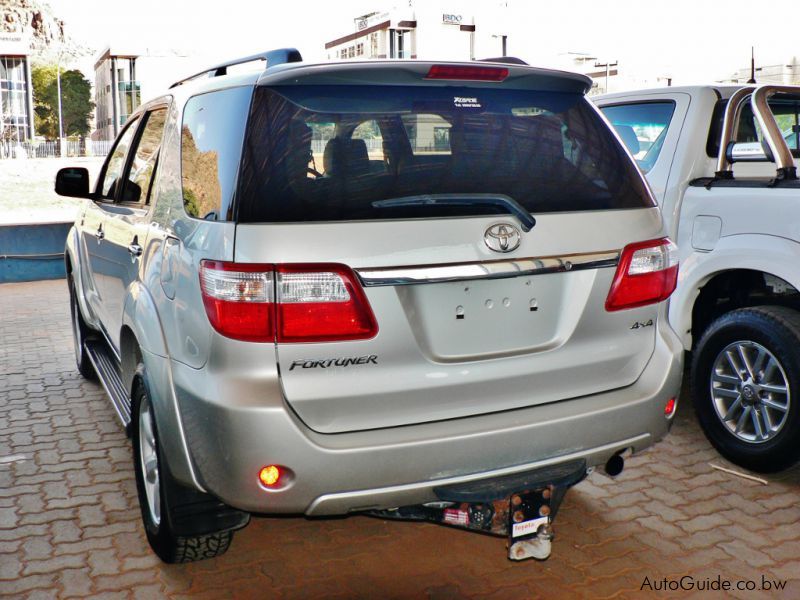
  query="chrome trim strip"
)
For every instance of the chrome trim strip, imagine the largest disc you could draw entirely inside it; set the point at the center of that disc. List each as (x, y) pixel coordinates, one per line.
(494, 269)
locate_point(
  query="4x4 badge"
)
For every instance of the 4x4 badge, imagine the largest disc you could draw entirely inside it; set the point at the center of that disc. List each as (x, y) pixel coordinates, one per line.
(502, 237)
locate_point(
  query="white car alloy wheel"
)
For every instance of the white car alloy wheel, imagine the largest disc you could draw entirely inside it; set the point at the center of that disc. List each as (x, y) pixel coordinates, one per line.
(750, 391)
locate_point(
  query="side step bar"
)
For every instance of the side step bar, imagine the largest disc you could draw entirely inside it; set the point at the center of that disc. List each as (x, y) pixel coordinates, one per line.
(109, 374)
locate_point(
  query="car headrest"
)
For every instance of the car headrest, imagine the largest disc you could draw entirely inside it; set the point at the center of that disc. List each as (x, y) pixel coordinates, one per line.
(629, 138)
(345, 157)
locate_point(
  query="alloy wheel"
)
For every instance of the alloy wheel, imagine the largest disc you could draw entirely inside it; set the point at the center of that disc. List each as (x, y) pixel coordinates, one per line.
(750, 392)
(148, 455)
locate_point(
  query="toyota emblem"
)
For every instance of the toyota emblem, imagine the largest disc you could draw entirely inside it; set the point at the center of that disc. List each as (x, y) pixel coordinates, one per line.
(502, 237)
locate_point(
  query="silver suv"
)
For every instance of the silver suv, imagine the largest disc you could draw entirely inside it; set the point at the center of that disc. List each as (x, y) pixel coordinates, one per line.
(321, 289)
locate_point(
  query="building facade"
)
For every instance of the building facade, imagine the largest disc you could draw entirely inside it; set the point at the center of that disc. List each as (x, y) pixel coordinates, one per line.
(426, 32)
(125, 77)
(785, 73)
(117, 92)
(16, 91)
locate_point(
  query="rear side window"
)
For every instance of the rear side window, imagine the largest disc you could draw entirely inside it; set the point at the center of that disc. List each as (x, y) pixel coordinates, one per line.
(211, 145)
(642, 128)
(330, 153)
(787, 115)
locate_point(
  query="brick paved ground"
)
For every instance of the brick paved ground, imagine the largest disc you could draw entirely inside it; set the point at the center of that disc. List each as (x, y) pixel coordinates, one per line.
(69, 523)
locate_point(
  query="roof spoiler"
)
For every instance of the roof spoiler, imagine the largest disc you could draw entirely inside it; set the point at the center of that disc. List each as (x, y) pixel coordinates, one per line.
(272, 58)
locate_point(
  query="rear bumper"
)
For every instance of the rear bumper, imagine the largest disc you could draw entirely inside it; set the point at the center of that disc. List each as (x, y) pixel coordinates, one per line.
(230, 441)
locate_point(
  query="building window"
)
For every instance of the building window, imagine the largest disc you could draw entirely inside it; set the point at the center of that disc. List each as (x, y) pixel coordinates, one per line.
(373, 45)
(398, 44)
(128, 87)
(14, 99)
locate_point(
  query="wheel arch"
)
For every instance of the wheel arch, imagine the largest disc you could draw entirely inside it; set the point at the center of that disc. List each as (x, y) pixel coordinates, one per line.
(741, 263)
(131, 359)
(145, 361)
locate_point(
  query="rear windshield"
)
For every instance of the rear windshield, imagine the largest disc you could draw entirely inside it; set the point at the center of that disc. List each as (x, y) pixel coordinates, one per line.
(786, 110)
(332, 153)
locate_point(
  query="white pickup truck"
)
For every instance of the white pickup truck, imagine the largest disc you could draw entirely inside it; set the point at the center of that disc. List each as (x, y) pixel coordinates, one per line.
(722, 162)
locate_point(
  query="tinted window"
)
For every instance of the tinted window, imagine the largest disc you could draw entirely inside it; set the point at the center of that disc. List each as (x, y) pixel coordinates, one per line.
(787, 116)
(143, 165)
(211, 144)
(116, 162)
(642, 128)
(548, 151)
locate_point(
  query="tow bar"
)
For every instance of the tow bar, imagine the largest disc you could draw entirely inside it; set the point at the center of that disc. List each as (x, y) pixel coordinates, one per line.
(520, 507)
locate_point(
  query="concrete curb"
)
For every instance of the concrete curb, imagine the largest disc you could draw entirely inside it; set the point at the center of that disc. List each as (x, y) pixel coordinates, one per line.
(32, 252)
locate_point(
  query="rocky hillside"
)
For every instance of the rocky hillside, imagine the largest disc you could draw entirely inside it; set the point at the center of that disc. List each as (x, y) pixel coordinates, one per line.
(36, 21)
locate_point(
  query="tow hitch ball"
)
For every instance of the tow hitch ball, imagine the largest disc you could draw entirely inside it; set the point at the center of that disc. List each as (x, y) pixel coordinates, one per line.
(519, 507)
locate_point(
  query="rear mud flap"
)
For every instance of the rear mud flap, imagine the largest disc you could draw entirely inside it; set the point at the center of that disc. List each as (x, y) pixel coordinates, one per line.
(520, 507)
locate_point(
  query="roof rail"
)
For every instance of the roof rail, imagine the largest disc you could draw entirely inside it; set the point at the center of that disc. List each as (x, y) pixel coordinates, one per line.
(272, 58)
(509, 60)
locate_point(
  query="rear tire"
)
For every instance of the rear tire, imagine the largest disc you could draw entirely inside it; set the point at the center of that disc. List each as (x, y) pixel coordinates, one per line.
(746, 386)
(157, 490)
(80, 333)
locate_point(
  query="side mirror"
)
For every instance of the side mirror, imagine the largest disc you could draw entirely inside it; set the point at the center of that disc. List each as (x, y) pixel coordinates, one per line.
(73, 181)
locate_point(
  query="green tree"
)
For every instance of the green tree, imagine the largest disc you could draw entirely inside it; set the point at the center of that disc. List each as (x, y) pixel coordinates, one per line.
(76, 101)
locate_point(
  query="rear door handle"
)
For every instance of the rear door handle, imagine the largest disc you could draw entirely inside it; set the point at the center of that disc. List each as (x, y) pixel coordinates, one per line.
(135, 250)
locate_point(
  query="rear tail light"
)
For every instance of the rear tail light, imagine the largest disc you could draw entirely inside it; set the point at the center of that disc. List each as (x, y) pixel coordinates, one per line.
(239, 299)
(322, 303)
(467, 73)
(286, 303)
(647, 273)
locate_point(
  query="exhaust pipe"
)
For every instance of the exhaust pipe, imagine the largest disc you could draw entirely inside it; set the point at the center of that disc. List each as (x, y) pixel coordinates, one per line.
(615, 465)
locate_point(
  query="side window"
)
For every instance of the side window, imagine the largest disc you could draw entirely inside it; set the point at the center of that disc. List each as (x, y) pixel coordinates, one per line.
(428, 134)
(211, 146)
(642, 127)
(748, 131)
(116, 162)
(143, 165)
(787, 116)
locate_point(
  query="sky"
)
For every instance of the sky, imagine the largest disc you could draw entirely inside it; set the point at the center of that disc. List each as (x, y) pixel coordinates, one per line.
(691, 41)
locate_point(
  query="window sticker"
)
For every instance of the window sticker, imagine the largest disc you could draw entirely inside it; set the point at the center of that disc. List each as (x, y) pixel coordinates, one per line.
(466, 102)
